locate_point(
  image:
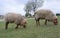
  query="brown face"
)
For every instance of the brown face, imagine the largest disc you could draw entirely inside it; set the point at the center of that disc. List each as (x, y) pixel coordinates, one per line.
(24, 22)
(55, 21)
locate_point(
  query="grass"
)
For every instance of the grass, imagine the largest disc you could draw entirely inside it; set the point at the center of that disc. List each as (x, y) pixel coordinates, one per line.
(31, 31)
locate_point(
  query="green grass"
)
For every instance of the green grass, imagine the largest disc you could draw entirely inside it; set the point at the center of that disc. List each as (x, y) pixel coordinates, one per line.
(31, 31)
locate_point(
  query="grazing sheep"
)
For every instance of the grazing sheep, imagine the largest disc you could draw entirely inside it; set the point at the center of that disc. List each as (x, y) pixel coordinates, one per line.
(46, 14)
(15, 18)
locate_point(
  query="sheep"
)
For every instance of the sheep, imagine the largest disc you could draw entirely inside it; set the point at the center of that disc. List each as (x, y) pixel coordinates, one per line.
(46, 14)
(18, 19)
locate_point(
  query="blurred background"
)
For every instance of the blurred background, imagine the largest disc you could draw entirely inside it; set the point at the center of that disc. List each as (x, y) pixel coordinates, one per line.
(28, 7)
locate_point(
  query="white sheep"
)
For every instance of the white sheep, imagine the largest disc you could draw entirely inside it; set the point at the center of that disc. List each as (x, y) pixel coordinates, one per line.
(46, 14)
(18, 19)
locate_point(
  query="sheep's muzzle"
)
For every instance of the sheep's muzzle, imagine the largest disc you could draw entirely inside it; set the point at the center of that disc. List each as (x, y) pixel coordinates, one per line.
(55, 21)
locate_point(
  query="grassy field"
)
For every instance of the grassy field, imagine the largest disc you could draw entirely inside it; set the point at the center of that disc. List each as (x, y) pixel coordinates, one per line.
(31, 31)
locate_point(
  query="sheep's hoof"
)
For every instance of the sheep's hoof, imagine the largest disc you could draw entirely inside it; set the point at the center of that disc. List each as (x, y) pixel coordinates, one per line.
(45, 24)
(37, 25)
(24, 26)
(16, 27)
(5, 28)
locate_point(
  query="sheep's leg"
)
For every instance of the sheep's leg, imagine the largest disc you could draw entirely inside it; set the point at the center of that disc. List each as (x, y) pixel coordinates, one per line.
(45, 22)
(16, 26)
(6, 27)
(38, 22)
(24, 26)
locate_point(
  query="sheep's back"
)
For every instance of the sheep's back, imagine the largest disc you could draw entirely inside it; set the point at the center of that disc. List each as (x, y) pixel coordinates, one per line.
(43, 13)
(12, 17)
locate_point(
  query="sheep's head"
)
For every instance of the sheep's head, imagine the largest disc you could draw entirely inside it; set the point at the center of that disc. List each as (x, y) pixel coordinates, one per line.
(24, 22)
(55, 20)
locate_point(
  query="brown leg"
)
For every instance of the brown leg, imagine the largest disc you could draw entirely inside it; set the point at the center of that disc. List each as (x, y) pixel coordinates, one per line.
(6, 27)
(45, 22)
(16, 26)
(39, 23)
(36, 22)
(24, 26)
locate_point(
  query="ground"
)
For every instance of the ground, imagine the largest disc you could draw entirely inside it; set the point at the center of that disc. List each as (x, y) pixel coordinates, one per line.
(31, 31)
